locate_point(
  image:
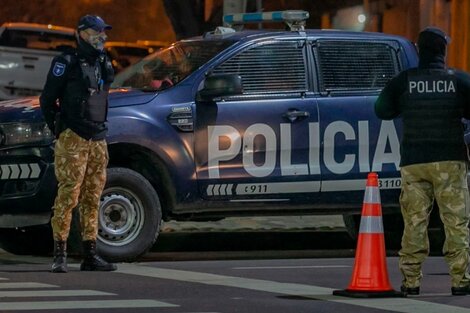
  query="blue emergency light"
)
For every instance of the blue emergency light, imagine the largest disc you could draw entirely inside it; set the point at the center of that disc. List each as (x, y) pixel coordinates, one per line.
(294, 18)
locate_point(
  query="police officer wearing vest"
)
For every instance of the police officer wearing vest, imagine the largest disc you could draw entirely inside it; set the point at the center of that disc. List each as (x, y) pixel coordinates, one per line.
(74, 103)
(431, 100)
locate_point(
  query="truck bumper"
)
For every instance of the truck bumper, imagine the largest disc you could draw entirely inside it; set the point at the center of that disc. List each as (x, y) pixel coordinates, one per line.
(27, 187)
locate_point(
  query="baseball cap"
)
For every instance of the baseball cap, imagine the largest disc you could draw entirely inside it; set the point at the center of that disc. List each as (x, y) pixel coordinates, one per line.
(94, 22)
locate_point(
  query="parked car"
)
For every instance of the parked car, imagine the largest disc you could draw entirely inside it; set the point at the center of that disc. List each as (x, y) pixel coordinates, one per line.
(231, 123)
(124, 54)
(26, 51)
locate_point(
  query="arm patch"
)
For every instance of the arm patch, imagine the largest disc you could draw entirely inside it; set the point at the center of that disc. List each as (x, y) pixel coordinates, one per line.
(58, 69)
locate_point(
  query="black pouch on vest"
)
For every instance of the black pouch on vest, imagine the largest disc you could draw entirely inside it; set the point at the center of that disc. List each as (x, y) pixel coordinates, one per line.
(96, 109)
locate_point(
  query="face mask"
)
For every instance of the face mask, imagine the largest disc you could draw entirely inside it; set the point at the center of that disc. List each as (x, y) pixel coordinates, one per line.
(97, 41)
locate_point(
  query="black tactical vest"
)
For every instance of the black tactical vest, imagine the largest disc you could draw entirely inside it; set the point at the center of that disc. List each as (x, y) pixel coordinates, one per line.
(432, 113)
(95, 107)
(83, 100)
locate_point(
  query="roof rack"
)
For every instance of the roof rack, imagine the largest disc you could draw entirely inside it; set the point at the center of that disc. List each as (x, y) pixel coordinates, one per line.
(295, 19)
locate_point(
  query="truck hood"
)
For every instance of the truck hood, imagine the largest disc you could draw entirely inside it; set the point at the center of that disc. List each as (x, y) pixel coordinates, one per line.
(20, 110)
(125, 97)
(28, 109)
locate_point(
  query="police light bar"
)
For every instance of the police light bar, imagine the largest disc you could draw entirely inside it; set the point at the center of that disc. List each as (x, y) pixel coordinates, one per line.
(294, 18)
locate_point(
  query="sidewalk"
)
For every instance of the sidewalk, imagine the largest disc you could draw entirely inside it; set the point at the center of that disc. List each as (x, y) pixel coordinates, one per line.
(260, 223)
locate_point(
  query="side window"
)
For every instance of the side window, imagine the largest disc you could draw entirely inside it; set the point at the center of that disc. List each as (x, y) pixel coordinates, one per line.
(355, 66)
(269, 68)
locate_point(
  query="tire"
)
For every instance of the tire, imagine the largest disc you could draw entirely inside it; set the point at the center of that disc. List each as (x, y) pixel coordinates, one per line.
(130, 216)
(393, 228)
(352, 222)
(34, 240)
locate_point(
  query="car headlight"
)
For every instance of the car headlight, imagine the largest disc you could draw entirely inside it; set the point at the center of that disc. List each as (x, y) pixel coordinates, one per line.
(25, 133)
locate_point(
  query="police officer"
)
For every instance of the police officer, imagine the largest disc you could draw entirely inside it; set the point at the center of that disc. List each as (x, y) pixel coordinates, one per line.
(74, 103)
(431, 100)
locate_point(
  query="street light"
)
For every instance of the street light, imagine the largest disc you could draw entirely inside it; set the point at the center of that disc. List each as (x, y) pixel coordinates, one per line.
(361, 18)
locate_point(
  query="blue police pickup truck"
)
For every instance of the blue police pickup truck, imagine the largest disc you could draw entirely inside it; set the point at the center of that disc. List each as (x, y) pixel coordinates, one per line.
(250, 122)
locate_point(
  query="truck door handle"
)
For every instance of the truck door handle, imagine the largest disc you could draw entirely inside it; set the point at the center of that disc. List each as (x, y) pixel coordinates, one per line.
(293, 114)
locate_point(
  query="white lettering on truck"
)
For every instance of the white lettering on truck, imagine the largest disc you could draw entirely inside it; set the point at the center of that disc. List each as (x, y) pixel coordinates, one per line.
(387, 137)
(248, 147)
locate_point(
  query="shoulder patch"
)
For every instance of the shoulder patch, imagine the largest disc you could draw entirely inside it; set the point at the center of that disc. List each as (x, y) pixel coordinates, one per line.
(59, 69)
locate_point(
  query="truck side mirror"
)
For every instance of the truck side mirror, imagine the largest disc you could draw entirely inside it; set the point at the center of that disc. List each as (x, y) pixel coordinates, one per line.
(220, 85)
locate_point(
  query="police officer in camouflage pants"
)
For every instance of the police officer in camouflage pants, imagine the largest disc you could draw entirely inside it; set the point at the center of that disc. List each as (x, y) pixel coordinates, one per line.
(431, 100)
(74, 103)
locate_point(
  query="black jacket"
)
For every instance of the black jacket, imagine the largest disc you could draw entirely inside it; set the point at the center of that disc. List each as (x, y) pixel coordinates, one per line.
(67, 91)
(431, 100)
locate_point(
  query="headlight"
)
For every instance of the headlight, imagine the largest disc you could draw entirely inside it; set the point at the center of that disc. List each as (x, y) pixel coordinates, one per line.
(24, 133)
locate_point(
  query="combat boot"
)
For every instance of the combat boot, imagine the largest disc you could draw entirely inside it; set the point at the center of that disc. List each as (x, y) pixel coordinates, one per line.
(60, 257)
(412, 291)
(93, 262)
(460, 291)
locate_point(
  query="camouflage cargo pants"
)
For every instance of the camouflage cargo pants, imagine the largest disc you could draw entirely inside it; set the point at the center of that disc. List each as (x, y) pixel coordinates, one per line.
(80, 169)
(421, 184)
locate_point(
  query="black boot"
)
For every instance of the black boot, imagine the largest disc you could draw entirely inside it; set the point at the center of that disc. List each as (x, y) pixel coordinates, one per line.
(91, 261)
(60, 257)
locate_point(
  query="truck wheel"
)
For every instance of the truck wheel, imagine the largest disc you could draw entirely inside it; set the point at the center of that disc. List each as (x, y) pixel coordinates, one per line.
(130, 216)
(352, 222)
(393, 228)
(34, 240)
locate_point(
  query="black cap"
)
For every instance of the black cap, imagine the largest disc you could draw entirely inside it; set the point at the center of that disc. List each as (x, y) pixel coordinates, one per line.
(436, 32)
(94, 22)
(432, 40)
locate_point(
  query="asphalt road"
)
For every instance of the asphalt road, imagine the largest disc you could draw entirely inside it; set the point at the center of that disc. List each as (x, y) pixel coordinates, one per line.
(249, 286)
(222, 269)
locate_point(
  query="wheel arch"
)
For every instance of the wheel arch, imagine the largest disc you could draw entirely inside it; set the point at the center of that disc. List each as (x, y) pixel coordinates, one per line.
(149, 165)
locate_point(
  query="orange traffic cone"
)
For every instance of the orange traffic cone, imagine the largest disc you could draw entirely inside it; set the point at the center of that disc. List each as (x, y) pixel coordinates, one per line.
(370, 275)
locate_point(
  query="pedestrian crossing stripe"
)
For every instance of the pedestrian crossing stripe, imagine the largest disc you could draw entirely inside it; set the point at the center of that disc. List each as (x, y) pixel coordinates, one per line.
(85, 304)
(75, 304)
(52, 293)
(24, 285)
(20, 171)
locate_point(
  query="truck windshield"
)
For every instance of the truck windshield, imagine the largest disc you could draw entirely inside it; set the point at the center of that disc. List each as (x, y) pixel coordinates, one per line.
(167, 67)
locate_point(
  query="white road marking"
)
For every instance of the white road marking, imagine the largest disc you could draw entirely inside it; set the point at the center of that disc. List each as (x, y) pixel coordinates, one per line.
(288, 267)
(405, 305)
(25, 285)
(221, 280)
(53, 293)
(2, 278)
(87, 304)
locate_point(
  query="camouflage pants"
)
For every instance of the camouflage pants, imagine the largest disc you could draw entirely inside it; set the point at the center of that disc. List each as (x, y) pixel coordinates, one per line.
(421, 184)
(80, 169)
